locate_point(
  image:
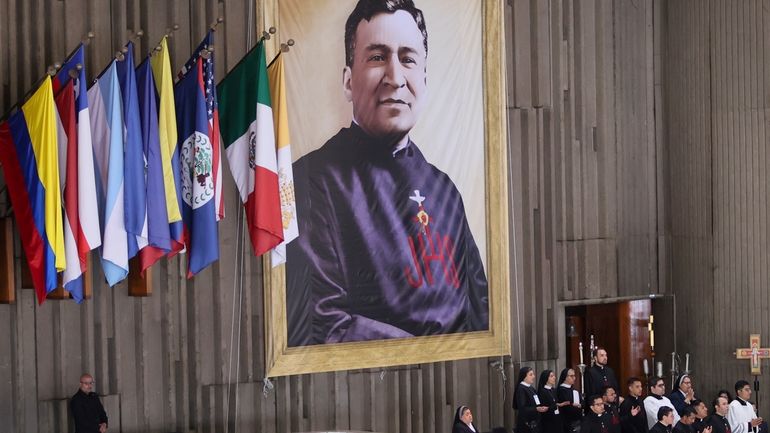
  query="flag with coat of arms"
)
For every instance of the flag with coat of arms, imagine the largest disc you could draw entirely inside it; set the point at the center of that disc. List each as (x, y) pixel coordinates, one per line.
(196, 161)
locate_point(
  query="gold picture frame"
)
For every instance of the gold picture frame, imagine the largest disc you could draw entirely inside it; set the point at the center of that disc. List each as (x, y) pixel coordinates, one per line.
(281, 360)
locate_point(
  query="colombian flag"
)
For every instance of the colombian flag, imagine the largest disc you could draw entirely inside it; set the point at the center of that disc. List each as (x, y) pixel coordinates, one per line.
(29, 154)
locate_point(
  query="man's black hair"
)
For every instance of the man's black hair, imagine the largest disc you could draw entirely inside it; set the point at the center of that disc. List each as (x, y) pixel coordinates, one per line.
(697, 402)
(740, 384)
(664, 411)
(592, 399)
(654, 381)
(715, 403)
(366, 9)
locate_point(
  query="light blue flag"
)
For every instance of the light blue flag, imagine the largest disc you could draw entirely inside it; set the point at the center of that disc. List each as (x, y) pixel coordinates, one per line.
(106, 112)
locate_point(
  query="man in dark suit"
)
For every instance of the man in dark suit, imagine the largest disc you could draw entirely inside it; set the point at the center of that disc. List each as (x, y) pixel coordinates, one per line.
(718, 421)
(665, 420)
(595, 420)
(87, 410)
(633, 419)
(600, 375)
(687, 420)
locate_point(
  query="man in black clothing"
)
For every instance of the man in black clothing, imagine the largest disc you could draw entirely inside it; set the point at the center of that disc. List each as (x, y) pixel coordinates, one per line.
(632, 415)
(701, 416)
(718, 421)
(687, 420)
(665, 419)
(87, 410)
(600, 375)
(611, 408)
(595, 420)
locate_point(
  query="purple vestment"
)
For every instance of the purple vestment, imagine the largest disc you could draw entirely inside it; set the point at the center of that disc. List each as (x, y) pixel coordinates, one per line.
(384, 249)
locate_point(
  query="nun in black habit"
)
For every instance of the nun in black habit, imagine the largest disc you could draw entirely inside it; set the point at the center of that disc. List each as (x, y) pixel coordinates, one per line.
(551, 420)
(463, 422)
(527, 403)
(572, 413)
(682, 395)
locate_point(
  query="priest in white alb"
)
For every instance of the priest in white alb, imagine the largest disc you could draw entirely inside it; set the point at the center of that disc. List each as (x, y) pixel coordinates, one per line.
(741, 416)
(656, 400)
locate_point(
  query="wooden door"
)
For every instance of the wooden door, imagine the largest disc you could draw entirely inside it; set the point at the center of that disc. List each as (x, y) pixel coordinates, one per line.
(620, 328)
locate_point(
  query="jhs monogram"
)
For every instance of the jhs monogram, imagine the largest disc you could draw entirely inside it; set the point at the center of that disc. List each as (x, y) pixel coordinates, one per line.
(427, 249)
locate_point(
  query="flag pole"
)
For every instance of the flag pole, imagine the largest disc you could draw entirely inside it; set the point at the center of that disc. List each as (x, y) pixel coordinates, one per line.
(216, 23)
(120, 54)
(285, 47)
(138, 34)
(169, 32)
(265, 36)
(50, 72)
(84, 41)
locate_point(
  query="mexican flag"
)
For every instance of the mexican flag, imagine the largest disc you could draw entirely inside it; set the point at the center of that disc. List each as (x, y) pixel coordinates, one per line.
(246, 125)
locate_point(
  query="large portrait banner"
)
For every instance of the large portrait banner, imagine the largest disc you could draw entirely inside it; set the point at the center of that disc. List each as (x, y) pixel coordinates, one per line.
(396, 112)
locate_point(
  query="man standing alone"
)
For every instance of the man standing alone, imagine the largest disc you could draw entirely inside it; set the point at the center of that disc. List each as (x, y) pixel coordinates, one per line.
(87, 410)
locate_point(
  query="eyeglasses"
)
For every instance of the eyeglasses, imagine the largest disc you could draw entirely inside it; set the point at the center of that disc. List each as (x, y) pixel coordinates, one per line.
(93, 382)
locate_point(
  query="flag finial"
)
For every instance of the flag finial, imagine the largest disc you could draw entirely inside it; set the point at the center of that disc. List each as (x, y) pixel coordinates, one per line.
(216, 23)
(287, 45)
(266, 34)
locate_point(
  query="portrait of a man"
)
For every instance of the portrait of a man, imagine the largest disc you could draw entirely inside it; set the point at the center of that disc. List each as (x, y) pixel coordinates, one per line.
(385, 249)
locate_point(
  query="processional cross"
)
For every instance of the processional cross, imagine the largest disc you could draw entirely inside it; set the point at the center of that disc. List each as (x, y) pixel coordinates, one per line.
(756, 353)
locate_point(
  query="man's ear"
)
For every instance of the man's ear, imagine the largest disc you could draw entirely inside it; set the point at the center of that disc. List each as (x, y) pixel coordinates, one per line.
(346, 86)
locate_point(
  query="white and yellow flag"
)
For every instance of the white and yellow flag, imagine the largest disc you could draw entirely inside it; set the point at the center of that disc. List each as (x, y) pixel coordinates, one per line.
(276, 78)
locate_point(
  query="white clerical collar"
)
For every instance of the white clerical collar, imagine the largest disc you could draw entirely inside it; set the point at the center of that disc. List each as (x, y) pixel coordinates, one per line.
(564, 385)
(525, 384)
(547, 387)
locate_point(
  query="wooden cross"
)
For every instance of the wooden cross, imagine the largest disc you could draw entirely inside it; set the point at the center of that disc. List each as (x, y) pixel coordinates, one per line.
(755, 352)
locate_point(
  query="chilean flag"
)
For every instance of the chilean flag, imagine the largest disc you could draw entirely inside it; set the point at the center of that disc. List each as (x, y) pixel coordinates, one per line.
(82, 232)
(196, 159)
(65, 104)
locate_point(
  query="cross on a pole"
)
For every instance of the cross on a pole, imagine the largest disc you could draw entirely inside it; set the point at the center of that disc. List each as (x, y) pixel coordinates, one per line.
(755, 352)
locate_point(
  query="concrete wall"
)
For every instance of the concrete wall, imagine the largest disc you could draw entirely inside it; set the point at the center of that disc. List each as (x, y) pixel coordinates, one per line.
(588, 209)
(717, 96)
